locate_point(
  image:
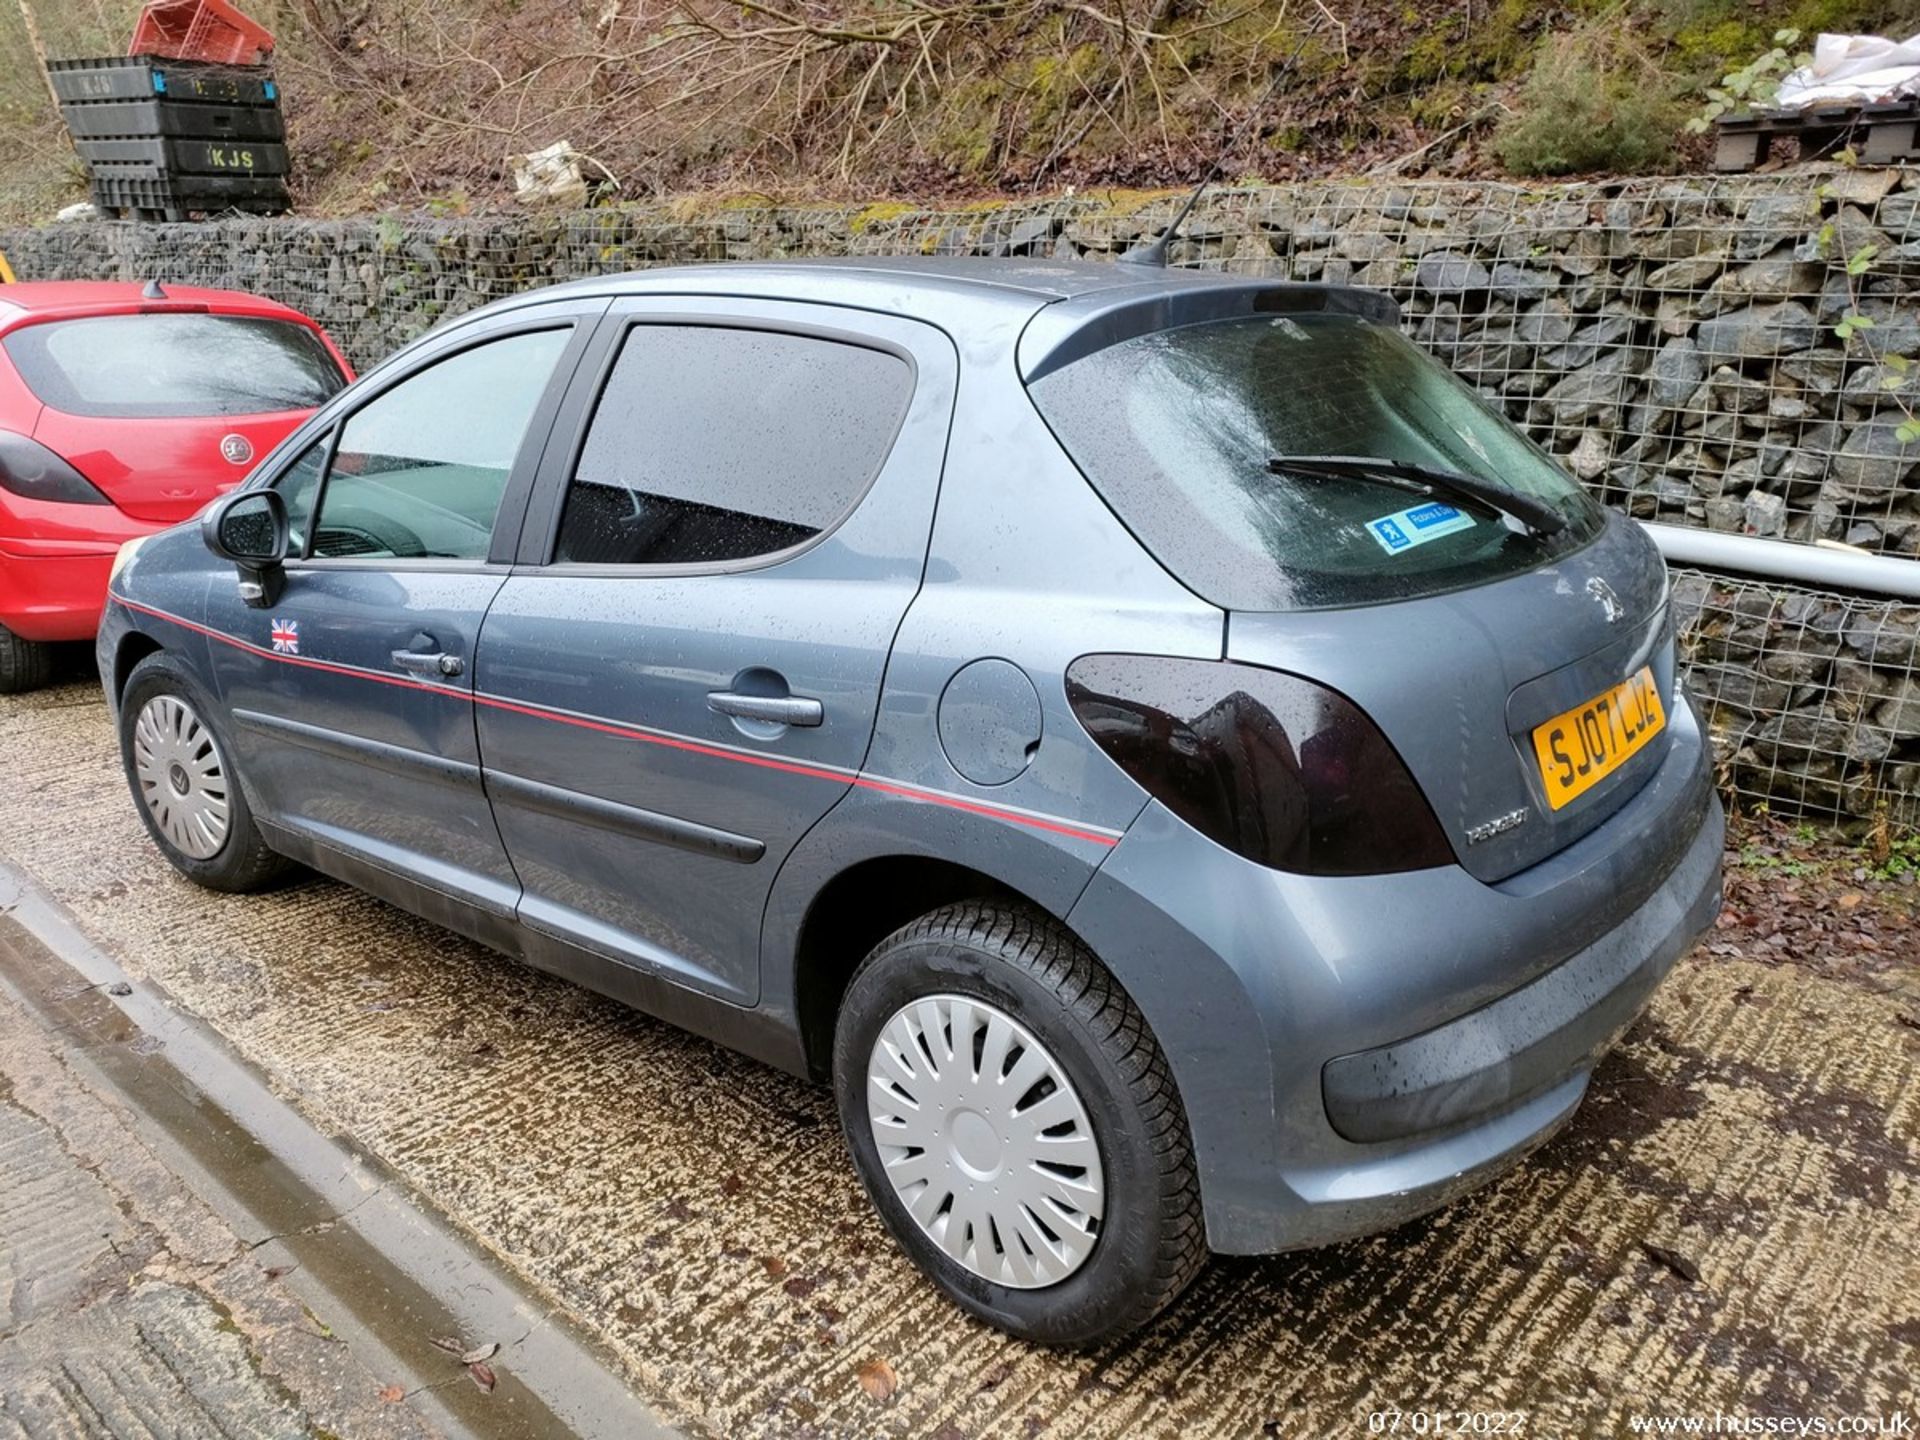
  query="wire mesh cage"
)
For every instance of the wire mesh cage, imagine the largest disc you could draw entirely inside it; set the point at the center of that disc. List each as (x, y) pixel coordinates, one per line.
(1735, 353)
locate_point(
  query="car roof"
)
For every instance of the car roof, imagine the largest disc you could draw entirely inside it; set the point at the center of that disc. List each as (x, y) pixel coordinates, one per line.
(1041, 279)
(33, 301)
(1035, 280)
(1086, 302)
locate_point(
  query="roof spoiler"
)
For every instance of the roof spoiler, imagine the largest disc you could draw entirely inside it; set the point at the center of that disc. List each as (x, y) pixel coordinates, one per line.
(1070, 330)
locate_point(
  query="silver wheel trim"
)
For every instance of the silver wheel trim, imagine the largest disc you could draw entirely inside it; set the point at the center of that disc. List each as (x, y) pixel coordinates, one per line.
(985, 1141)
(181, 776)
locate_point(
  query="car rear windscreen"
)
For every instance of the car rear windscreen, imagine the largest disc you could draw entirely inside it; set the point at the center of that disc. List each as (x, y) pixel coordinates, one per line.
(149, 366)
(1176, 430)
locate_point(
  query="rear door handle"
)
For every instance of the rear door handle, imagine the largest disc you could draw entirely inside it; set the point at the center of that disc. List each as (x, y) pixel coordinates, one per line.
(801, 710)
(439, 665)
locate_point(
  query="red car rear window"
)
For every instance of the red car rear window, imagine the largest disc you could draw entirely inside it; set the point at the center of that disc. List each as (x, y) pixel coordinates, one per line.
(146, 366)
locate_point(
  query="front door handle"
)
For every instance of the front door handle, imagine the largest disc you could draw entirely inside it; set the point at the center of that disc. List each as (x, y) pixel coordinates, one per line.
(801, 710)
(436, 664)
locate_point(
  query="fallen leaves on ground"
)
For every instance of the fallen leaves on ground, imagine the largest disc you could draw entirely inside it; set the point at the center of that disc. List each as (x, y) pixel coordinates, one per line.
(1795, 896)
(1673, 1260)
(878, 1379)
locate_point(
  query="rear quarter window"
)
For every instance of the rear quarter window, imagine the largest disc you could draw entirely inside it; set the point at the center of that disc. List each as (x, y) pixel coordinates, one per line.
(1175, 430)
(158, 366)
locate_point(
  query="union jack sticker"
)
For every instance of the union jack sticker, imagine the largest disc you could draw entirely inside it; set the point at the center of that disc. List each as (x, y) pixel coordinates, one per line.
(286, 636)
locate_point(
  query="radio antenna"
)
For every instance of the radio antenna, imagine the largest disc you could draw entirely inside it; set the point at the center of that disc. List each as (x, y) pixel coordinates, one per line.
(1155, 253)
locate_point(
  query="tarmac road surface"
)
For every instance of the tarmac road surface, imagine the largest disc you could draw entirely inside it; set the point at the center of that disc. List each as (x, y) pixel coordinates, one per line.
(1759, 1129)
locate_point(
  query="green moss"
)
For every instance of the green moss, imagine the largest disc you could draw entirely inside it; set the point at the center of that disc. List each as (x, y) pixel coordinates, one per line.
(1493, 46)
(879, 214)
(965, 125)
(1708, 38)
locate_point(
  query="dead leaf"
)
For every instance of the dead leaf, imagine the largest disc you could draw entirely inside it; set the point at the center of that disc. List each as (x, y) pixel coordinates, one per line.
(119, 987)
(1850, 899)
(483, 1375)
(447, 1343)
(732, 1185)
(775, 1266)
(1673, 1260)
(878, 1379)
(1911, 1022)
(485, 1352)
(392, 1394)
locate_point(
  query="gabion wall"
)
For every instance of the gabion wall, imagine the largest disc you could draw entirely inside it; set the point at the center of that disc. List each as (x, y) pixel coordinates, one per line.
(1672, 341)
(1812, 699)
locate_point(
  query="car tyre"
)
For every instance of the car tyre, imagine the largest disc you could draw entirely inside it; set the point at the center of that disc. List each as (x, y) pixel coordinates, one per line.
(178, 715)
(1149, 1242)
(24, 664)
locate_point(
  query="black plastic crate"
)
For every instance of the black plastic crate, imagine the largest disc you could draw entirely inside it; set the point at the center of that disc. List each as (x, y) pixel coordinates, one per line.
(153, 158)
(180, 196)
(142, 77)
(114, 119)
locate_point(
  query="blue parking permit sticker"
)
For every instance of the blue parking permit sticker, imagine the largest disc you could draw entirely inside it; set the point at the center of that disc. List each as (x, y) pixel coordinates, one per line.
(1407, 528)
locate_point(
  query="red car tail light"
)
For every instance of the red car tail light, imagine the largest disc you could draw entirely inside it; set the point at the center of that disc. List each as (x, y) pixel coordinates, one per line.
(1285, 772)
(33, 472)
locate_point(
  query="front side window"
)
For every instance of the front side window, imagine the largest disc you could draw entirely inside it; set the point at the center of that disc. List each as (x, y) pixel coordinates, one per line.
(1176, 430)
(156, 366)
(420, 470)
(712, 445)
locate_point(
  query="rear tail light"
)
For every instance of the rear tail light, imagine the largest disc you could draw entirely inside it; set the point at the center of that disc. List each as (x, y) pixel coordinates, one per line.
(1282, 771)
(30, 470)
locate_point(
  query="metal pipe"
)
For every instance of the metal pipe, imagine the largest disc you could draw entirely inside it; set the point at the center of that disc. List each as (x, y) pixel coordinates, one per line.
(1840, 568)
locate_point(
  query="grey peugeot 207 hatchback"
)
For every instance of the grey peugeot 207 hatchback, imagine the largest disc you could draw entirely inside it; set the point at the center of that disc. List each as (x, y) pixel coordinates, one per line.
(1189, 774)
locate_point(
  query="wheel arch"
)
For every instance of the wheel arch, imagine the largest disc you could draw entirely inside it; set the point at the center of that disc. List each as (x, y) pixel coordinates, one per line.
(134, 646)
(853, 912)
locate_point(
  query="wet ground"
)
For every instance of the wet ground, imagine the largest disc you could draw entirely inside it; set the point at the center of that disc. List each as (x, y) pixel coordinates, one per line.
(127, 1306)
(1729, 1225)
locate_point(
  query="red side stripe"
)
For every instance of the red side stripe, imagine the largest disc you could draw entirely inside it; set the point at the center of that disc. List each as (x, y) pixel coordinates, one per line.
(613, 727)
(625, 732)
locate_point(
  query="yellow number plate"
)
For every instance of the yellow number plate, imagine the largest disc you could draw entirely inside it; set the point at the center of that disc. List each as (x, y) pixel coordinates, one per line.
(1582, 746)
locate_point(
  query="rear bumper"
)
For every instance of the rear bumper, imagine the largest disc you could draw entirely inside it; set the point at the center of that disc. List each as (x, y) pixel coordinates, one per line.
(1353, 1052)
(1526, 1043)
(52, 595)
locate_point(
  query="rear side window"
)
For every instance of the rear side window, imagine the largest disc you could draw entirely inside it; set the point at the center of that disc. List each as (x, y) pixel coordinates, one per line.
(1175, 429)
(712, 444)
(154, 366)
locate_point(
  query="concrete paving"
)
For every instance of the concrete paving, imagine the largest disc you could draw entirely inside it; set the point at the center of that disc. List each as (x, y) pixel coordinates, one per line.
(128, 1309)
(1760, 1130)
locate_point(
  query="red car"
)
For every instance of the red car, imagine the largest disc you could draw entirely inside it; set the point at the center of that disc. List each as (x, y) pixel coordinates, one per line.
(124, 409)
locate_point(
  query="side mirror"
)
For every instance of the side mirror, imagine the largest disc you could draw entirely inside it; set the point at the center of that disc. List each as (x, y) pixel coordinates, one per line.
(249, 528)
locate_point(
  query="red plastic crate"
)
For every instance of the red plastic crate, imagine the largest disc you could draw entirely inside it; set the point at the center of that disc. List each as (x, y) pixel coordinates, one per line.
(210, 30)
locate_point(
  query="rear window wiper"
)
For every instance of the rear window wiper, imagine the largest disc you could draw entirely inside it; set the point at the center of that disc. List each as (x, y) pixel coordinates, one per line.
(1539, 517)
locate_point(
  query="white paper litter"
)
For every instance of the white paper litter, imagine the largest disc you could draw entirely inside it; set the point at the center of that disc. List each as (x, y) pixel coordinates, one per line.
(1853, 69)
(550, 177)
